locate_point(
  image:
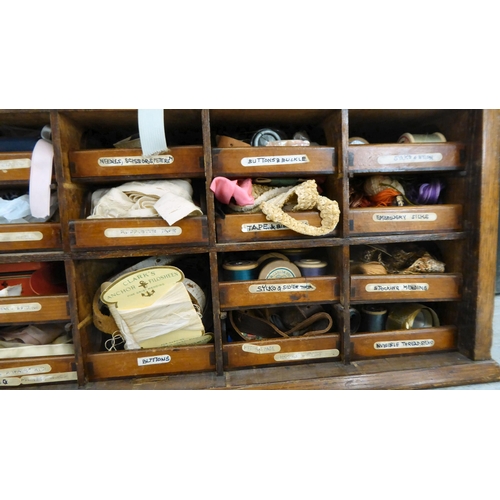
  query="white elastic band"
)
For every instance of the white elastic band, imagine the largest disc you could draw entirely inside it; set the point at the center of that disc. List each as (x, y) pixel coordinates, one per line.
(152, 131)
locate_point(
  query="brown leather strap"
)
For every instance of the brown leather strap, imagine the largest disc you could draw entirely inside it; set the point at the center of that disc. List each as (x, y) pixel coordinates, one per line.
(250, 322)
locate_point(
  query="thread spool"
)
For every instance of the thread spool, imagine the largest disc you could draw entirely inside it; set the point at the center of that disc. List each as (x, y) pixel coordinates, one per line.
(240, 270)
(353, 141)
(373, 318)
(295, 254)
(421, 138)
(411, 316)
(355, 319)
(279, 269)
(311, 267)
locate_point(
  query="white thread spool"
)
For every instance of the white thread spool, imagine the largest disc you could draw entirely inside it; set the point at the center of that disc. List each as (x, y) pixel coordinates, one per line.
(421, 138)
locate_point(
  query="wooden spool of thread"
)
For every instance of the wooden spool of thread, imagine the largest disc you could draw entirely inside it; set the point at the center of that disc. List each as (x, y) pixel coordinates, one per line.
(421, 138)
(311, 267)
(240, 270)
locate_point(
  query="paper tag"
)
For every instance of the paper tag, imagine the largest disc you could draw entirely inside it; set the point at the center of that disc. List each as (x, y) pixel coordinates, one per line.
(142, 232)
(404, 217)
(409, 158)
(293, 356)
(286, 287)
(154, 360)
(141, 288)
(403, 344)
(22, 236)
(25, 370)
(53, 377)
(14, 164)
(258, 161)
(261, 349)
(133, 161)
(20, 308)
(265, 226)
(397, 287)
(10, 382)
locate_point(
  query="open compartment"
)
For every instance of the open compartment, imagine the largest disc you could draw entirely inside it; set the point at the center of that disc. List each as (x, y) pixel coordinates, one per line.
(406, 271)
(36, 335)
(106, 351)
(114, 194)
(248, 175)
(19, 229)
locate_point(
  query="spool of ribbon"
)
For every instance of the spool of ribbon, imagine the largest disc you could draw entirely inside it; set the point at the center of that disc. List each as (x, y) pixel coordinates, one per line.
(411, 316)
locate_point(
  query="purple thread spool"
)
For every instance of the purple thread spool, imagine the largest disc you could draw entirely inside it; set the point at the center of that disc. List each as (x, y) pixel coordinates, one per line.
(311, 267)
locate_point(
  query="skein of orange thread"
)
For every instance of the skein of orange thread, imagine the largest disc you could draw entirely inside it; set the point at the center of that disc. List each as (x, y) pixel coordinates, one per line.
(385, 197)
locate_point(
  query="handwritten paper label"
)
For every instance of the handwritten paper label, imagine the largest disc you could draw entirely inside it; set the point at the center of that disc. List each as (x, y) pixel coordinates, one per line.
(294, 356)
(259, 161)
(10, 382)
(20, 308)
(409, 158)
(22, 236)
(397, 287)
(403, 344)
(141, 288)
(133, 161)
(404, 217)
(14, 164)
(154, 360)
(53, 377)
(142, 232)
(261, 349)
(286, 287)
(25, 370)
(265, 226)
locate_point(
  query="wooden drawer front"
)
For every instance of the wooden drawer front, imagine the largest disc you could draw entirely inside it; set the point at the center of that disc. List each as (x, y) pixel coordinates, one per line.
(107, 365)
(392, 220)
(22, 237)
(15, 167)
(387, 288)
(269, 161)
(398, 342)
(234, 294)
(34, 371)
(35, 309)
(446, 156)
(255, 227)
(99, 163)
(117, 233)
(281, 351)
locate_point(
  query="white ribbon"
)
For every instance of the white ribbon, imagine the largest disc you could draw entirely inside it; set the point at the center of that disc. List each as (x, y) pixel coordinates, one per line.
(41, 176)
(152, 131)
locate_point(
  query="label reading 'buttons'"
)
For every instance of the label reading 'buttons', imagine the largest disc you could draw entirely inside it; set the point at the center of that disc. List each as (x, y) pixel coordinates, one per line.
(154, 360)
